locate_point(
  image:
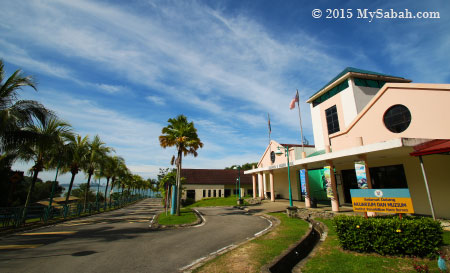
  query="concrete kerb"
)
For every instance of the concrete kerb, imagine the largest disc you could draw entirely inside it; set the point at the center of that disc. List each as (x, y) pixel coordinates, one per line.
(154, 223)
(199, 262)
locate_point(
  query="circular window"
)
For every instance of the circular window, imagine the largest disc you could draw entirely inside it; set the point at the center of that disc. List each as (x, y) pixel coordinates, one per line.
(397, 118)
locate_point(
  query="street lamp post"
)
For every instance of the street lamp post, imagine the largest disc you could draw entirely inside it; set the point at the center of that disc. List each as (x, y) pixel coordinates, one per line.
(286, 153)
(239, 179)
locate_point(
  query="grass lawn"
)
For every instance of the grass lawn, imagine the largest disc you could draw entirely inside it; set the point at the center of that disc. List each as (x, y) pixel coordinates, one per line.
(187, 216)
(250, 257)
(216, 202)
(331, 258)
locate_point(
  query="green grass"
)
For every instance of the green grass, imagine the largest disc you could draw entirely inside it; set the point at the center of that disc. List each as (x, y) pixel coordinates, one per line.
(446, 237)
(259, 251)
(331, 258)
(216, 202)
(187, 216)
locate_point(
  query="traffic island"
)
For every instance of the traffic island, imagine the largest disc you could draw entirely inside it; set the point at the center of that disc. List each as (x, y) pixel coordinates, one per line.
(187, 218)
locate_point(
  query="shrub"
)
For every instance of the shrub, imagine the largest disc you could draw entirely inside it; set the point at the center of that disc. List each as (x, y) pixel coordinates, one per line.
(418, 236)
(187, 202)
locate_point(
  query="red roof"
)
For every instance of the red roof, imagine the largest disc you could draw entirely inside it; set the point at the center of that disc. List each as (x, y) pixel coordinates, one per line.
(437, 146)
(214, 176)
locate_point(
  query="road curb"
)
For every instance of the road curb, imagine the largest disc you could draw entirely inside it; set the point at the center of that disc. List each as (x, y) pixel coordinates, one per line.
(155, 226)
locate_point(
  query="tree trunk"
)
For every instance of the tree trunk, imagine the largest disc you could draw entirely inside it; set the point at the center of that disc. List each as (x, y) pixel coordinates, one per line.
(112, 185)
(87, 191)
(106, 190)
(70, 187)
(180, 155)
(30, 190)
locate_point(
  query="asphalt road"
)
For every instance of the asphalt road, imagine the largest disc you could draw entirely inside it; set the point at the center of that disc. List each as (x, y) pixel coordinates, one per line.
(121, 241)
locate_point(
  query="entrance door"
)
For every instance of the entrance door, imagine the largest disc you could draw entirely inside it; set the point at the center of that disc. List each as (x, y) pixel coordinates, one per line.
(349, 182)
(227, 192)
(190, 194)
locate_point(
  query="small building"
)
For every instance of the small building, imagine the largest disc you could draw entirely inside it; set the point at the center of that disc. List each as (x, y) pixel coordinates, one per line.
(205, 183)
(396, 129)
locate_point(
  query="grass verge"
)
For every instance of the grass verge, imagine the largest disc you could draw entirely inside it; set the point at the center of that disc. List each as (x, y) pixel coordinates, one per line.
(330, 257)
(216, 202)
(250, 257)
(187, 216)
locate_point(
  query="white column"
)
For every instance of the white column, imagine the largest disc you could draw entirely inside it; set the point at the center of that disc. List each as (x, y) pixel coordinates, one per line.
(260, 186)
(272, 192)
(264, 185)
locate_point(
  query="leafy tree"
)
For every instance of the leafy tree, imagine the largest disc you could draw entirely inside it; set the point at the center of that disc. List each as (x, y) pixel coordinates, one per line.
(183, 135)
(244, 167)
(74, 158)
(96, 150)
(16, 114)
(49, 132)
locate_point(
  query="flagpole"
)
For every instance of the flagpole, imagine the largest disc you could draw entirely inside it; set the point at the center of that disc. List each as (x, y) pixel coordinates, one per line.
(270, 130)
(300, 117)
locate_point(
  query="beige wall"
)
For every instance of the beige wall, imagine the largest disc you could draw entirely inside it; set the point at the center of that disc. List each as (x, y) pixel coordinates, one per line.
(199, 190)
(281, 183)
(428, 104)
(438, 179)
(281, 159)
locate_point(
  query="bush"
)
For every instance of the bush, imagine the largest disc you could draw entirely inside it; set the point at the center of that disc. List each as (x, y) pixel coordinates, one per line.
(417, 236)
(187, 202)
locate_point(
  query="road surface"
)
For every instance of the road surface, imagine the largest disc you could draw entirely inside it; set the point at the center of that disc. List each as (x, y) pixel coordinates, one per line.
(121, 241)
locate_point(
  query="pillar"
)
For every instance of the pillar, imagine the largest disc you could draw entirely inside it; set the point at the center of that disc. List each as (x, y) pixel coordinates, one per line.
(264, 185)
(254, 185)
(260, 188)
(272, 192)
(308, 192)
(334, 200)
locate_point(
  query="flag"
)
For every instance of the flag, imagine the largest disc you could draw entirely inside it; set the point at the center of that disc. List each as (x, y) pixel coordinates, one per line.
(270, 127)
(294, 100)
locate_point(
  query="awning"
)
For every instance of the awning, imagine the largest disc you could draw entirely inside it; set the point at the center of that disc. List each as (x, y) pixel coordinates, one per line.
(436, 146)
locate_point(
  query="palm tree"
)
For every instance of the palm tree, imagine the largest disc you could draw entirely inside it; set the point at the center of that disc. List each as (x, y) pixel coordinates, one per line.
(16, 114)
(97, 150)
(49, 133)
(119, 168)
(74, 158)
(183, 135)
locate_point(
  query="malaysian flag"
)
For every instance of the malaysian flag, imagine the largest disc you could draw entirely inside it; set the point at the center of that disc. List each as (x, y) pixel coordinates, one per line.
(294, 100)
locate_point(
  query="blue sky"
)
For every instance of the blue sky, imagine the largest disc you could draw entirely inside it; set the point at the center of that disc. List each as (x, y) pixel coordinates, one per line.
(121, 70)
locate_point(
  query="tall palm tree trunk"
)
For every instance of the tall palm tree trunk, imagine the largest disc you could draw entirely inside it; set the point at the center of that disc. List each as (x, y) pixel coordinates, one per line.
(112, 186)
(70, 187)
(106, 189)
(87, 191)
(30, 190)
(180, 155)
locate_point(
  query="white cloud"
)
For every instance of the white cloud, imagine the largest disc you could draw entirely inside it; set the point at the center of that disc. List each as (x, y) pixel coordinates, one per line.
(156, 100)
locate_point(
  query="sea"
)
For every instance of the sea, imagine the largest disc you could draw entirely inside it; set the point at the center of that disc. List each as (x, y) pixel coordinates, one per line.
(101, 188)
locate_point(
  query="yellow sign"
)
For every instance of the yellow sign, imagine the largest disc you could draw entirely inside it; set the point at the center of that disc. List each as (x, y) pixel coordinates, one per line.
(381, 204)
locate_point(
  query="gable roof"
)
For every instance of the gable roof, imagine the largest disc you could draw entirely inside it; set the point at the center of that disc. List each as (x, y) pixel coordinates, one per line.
(214, 176)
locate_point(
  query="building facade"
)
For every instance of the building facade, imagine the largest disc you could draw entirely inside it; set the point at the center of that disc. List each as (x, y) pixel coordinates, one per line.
(379, 121)
(207, 183)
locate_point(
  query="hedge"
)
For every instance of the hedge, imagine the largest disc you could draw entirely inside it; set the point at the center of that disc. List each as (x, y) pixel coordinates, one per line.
(414, 236)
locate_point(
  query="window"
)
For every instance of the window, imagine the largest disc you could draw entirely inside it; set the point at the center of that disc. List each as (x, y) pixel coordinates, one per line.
(204, 193)
(220, 193)
(214, 192)
(332, 120)
(209, 193)
(397, 118)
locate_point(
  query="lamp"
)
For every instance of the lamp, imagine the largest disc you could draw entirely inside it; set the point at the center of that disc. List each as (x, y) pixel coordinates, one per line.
(286, 153)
